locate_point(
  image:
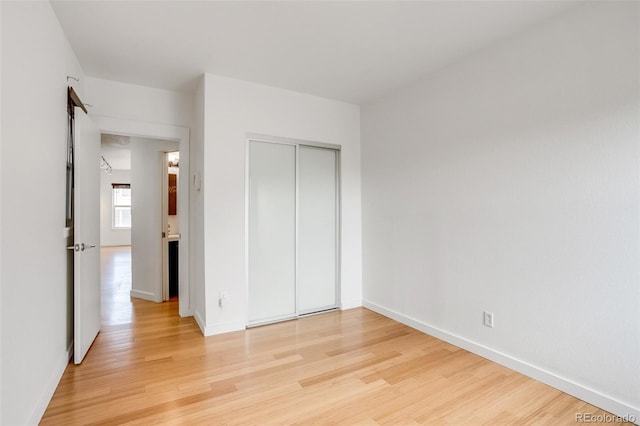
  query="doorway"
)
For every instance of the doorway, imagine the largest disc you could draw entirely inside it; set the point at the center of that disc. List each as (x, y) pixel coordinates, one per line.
(179, 138)
(171, 226)
(133, 186)
(115, 229)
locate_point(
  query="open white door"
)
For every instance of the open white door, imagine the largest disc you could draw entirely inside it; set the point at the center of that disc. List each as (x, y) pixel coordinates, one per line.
(86, 228)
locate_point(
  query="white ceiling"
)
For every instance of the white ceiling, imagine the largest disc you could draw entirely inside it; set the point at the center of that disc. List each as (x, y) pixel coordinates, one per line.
(116, 150)
(349, 50)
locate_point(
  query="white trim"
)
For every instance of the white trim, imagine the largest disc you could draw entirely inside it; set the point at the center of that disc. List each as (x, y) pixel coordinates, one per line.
(296, 247)
(339, 302)
(113, 210)
(69, 353)
(48, 391)
(145, 295)
(164, 197)
(563, 384)
(180, 134)
(220, 328)
(291, 141)
(142, 129)
(223, 327)
(200, 322)
(350, 304)
(247, 199)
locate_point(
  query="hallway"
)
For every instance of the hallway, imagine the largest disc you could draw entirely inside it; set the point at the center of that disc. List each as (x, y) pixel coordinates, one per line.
(115, 271)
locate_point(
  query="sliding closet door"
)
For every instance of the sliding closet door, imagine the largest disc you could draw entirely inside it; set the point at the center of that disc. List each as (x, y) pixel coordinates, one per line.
(272, 231)
(317, 229)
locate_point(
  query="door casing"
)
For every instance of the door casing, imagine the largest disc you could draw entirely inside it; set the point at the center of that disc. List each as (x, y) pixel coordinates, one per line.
(181, 135)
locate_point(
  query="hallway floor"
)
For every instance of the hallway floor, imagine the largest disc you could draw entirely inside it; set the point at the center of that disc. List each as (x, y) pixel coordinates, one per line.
(115, 269)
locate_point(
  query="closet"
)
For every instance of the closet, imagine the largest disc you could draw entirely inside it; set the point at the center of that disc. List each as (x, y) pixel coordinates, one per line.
(293, 228)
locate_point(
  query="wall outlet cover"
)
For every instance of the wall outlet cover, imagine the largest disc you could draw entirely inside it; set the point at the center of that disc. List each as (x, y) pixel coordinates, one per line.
(488, 319)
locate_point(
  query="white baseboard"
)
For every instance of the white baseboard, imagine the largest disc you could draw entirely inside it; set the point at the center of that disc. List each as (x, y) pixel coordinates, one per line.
(584, 393)
(199, 321)
(225, 327)
(220, 328)
(70, 351)
(186, 313)
(50, 388)
(144, 295)
(350, 304)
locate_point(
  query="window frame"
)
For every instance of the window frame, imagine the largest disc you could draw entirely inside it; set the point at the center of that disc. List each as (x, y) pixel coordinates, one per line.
(115, 205)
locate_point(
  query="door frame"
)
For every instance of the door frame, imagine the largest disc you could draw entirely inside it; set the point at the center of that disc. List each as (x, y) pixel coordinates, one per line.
(166, 236)
(256, 137)
(181, 135)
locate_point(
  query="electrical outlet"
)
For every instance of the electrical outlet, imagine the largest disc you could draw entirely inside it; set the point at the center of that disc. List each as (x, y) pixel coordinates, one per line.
(488, 319)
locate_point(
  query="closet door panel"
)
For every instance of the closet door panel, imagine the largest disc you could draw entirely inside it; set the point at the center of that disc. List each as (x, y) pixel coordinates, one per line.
(272, 227)
(317, 229)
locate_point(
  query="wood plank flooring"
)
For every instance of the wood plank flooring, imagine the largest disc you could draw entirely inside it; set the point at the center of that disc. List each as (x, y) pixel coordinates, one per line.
(349, 367)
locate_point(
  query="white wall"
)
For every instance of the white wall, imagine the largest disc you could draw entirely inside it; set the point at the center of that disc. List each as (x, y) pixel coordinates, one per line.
(36, 315)
(147, 111)
(139, 103)
(108, 235)
(233, 108)
(148, 169)
(508, 182)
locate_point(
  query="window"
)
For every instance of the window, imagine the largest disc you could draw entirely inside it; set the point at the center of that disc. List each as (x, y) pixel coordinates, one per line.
(121, 205)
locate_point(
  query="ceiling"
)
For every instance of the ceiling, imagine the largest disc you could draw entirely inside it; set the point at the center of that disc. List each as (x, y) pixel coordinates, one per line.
(116, 150)
(354, 51)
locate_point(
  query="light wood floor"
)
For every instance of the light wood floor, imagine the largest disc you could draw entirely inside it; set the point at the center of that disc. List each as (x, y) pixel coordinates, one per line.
(350, 367)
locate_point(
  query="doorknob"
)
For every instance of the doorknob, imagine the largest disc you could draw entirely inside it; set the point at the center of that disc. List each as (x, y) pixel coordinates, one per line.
(80, 247)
